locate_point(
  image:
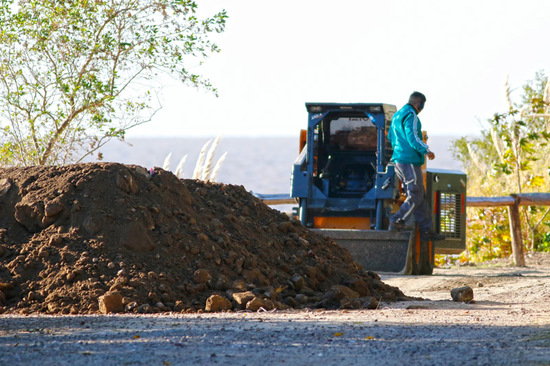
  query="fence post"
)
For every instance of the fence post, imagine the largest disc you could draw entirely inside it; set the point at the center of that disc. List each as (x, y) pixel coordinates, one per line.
(515, 231)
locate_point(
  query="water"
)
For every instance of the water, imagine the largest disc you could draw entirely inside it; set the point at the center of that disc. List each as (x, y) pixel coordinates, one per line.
(260, 164)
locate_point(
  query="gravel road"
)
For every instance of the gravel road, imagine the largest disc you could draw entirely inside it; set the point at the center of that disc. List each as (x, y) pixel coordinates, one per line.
(508, 324)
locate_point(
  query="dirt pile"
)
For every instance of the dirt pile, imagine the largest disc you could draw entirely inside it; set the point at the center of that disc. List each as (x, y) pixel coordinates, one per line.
(88, 237)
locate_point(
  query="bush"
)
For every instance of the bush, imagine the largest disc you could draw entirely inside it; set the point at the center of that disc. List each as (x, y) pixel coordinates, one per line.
(511, 155)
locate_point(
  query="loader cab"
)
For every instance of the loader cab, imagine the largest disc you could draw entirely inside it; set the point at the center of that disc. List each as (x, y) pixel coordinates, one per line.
(339, 175)
(346, 152)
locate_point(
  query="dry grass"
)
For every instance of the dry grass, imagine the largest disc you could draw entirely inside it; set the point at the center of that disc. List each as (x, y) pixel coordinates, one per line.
(205, 169)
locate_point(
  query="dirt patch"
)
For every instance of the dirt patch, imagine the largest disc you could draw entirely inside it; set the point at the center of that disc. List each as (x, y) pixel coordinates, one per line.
(80, 238)
(508, 324)
(495, 283)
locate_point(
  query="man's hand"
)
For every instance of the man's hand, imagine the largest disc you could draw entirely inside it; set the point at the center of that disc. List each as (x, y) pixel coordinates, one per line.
(430, 155)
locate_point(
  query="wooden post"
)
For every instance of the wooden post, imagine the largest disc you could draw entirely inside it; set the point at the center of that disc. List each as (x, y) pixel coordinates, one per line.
(515, 231)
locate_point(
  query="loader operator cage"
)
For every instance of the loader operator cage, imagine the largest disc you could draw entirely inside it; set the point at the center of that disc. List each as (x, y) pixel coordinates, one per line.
(346, 154)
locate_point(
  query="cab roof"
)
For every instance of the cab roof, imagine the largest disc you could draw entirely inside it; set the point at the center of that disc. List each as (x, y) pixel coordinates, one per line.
(323, 107)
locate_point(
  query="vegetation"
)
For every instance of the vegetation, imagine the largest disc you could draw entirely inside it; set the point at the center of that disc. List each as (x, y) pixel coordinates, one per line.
(512, 155)
(76, 74)
(203, 167)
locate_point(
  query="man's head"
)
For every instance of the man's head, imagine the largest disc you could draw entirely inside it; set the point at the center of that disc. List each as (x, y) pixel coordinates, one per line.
(417, 100)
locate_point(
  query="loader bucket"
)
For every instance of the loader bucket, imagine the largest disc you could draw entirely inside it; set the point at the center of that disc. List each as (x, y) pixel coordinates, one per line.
(377, 250)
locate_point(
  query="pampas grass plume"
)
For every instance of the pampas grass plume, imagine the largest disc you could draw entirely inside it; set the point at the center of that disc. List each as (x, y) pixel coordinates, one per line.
(166, 165)
(217, 167)
(198, 166)
(207, 166)
(179, 169)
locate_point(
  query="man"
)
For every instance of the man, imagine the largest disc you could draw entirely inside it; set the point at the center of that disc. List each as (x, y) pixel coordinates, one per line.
(409, 152)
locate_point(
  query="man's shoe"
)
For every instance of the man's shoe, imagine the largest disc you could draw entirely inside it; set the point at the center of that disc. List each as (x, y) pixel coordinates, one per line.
(430, 235)
(399, 225)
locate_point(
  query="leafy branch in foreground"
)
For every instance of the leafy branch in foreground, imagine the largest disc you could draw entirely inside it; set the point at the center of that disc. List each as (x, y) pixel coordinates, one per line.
(76, 74)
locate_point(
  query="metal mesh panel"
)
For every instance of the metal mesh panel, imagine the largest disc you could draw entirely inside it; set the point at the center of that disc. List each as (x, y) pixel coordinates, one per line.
(450, 214)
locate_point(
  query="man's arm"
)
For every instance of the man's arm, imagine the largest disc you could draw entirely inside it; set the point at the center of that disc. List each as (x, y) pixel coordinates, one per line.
(412, 129)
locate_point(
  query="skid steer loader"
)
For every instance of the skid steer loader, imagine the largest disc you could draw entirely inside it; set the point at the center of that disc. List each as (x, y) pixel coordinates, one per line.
(346, 188)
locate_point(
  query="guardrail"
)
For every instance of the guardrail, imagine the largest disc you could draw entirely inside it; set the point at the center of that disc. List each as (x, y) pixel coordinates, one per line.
(276, 199)
(512, 201)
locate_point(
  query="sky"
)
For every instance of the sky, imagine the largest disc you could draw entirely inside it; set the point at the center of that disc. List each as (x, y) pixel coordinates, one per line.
(276, 56)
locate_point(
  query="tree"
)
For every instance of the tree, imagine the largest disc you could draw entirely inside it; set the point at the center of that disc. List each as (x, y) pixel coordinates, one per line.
(512, 150)
(73, 73)
(512, 155)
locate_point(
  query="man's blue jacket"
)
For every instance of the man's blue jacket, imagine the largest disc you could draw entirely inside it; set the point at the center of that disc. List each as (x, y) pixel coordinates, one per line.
(405, 135)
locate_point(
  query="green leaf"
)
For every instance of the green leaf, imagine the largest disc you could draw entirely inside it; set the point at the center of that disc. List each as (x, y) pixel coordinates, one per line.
(72, 68)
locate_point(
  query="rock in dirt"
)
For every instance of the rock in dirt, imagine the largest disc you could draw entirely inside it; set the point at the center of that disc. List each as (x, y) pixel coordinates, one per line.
(462, 294)
(71, 234)
(217, 303)
(339, 292)
(201, 276)
(5, 186)
(242, 298)
(111, 302)
(258, 303)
